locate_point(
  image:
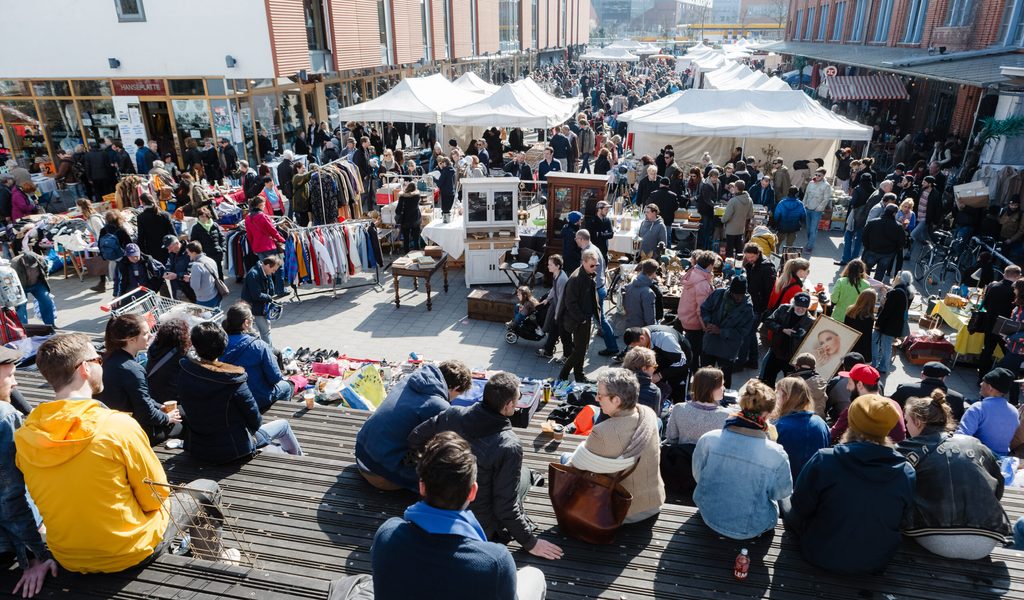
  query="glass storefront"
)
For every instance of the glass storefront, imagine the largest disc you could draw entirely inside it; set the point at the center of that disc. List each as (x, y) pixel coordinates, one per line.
(192, 120)
(98, 120)
(24, 131)
(291, 116)
(60, 121)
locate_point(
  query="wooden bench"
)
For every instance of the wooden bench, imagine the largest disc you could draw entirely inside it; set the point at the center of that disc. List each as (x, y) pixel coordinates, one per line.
(308, 520)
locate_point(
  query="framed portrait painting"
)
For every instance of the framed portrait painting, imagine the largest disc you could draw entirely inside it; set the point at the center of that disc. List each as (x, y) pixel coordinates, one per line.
(828, 341)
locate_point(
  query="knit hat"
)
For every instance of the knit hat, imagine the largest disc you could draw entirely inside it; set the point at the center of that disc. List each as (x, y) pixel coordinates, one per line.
(802, 300)
(873, 415)
(132, 250)
(575, 217)
(738, 286)
(850, 360)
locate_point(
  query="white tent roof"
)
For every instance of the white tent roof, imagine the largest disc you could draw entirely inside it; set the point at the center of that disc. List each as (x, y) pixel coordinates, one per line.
(744, 81)
(754, 114)
(471, 82)
(513, 105)
(610, 54)
(774, 83)
(531, 87)
(731, 69)
(625, 44)
(413, 100)
(710, 62)
(650, 107)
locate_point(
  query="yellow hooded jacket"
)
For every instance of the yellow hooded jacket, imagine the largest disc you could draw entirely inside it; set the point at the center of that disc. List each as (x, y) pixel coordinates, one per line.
(86, 467)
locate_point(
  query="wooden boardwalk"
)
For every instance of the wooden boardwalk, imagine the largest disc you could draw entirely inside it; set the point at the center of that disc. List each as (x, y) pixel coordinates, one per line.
(308, 520)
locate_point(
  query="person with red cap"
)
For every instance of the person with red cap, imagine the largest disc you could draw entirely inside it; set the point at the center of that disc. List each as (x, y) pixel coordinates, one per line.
(861, 380)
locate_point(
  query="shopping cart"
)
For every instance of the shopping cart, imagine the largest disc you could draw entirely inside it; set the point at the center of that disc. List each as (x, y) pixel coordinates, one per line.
(154, 307)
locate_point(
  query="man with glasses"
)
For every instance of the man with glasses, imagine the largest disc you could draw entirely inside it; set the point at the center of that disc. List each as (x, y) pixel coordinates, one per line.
(99, 487)
(817, 200)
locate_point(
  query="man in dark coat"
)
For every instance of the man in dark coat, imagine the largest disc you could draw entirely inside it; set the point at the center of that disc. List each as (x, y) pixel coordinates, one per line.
(710, 194)
(727, 315)
(285, 172)
(153, 225)
(227, 152)
(761, 275)
(600, 227)
(501, 477)
(122, 161)
(6, 185)
(883, 239)
(934, 377)
(100, 172)
(789, 324)
(579, 308)
(667, 202)
(136, 270)
(211, 163)
(518, 167)
(176, 267)
(997, 302)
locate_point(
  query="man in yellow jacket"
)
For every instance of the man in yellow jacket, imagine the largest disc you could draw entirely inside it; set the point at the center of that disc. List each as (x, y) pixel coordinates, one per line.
(94, 477)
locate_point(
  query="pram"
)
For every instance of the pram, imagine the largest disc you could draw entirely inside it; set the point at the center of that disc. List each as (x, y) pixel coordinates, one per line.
(529, 329)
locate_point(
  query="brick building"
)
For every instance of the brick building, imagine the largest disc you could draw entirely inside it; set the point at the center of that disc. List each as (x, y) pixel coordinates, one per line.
(945, 55)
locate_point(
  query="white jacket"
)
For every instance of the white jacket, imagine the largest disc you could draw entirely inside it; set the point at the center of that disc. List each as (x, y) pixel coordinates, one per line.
(818, 196)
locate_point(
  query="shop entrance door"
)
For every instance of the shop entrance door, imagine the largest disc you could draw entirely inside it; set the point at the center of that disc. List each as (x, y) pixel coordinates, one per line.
(157, 117)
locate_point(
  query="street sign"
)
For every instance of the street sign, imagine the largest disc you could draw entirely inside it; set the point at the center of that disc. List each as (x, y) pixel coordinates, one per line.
(831, 71)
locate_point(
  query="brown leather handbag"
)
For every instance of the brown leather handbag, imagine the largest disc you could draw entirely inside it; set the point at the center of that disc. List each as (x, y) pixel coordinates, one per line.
(590, 507)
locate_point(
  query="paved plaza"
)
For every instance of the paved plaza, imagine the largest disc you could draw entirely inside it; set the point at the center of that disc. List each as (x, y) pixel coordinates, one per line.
(363, 322)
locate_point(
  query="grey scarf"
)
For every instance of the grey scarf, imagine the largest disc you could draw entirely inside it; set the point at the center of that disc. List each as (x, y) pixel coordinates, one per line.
(646, 430)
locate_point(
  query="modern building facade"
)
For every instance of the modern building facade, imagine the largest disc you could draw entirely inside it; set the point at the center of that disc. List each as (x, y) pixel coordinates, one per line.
(947, 54)
(170, 71)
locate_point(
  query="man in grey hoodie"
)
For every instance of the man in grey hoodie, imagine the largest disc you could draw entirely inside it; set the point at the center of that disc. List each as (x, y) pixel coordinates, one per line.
(738, 213)
(652, 231)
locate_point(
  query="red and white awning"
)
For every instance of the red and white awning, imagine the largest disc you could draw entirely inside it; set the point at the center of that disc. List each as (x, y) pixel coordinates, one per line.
(866, 87)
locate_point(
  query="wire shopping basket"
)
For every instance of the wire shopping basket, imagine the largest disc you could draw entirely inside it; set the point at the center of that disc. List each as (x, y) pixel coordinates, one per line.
(152, 306)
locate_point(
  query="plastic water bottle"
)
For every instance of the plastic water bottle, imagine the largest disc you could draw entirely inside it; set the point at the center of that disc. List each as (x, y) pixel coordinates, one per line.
(142, 358)
(287, 354)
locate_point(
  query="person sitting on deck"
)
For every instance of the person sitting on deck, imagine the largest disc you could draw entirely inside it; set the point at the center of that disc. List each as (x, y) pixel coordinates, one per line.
(98, 485)
(19, 535)
(438, 549)
(382, 452)
(851, 500)
(248, 351)
(503, 479)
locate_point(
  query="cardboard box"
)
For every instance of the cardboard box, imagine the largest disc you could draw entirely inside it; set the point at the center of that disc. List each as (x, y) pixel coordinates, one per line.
(974, 194)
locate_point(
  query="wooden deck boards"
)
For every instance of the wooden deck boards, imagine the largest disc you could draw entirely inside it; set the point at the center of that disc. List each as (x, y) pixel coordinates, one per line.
(311, 519)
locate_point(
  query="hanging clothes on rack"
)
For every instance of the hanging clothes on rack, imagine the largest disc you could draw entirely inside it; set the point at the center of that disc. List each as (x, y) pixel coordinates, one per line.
(328, 255)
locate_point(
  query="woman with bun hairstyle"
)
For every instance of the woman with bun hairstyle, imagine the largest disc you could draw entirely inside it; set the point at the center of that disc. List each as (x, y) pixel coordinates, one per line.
(956, 513)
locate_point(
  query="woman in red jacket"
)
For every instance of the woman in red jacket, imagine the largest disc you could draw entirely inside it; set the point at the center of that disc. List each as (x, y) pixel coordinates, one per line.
(790, 283)
(263, 237)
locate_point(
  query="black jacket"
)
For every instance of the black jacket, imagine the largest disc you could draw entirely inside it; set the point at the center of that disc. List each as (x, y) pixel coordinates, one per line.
(220, 414)
(667, 203)
(407, 212)
(162, 371)
(644, 189)
(98, 166)
(285, 172)
(709, 195)
(579, 304)
(361, 159)
(760, 281)
(893, 314)
(257, 289)
(849, 505)
(998, 302)
(884, 235)
(958, 486)
(212, 240)
(570, 250)
(152, 274)
(5, 202)
(924, 389)
(783, 345)
(600, 232)
(499, 460)
(125, 388)
(124, 163)
(193, 156)
(602, 165)
(523, 172)
(230, 158)
(153, 225)
(177, 264)
(251, 184)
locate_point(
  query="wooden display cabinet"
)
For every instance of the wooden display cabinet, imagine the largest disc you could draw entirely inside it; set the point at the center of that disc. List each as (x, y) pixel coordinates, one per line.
(568, 192)
(489, 208)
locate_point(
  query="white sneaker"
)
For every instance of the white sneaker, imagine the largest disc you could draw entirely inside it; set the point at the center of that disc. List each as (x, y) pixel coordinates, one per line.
(231, 556)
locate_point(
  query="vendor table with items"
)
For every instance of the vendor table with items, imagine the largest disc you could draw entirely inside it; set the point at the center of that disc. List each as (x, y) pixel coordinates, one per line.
(406, 270)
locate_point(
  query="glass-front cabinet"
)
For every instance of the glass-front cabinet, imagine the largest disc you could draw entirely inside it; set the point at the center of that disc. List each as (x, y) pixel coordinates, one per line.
(568, 192)
(490, 201)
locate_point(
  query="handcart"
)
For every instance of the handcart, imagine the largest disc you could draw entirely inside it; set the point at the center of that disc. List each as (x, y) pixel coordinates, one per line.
(154, 308)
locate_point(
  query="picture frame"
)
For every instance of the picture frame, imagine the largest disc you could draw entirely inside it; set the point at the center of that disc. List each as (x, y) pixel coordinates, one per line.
(828, 341)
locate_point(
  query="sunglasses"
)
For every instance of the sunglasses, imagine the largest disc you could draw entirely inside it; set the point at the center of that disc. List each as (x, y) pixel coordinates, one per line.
(96, 360)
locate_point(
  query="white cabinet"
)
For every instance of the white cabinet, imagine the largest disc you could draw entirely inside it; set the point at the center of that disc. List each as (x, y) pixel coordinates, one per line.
(482, 259)
(490, 206)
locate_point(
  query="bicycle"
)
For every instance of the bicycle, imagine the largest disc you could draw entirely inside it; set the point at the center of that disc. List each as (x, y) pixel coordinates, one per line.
(962, 254)
(935, 251)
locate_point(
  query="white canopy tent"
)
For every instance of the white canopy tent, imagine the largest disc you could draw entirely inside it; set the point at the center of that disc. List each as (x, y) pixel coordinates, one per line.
(413, 100)
(513, 105)
(610, 54)
(744, 81)
(764, 122)
(531, 86)
(774, 83)
(471, 82)
(729, 70)
(625, 44)
(650, 107)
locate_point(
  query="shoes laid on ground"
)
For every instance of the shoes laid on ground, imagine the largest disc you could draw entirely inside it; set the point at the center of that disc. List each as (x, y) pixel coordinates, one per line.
(585, 380)
(231, 556)
(617, 359)
(607, 352)
(543, 354)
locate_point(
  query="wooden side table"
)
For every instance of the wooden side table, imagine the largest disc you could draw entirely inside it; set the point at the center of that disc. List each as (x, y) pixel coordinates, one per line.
(416, 274)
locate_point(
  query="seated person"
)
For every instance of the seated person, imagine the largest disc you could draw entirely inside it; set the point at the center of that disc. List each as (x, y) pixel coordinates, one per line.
(125, 387)
(992, 420)
(502, 478)
(688, 421)
(801, 432)
(628, 438)
(672, 350)
(222, 419)
(248, 351)
(741, 474)
(170, 344)
(958, 484)
(851, 500)
(862, 380)
(642, 362)
(933, 376)
(88, 468)
(19, 535)
(438, 546)
(382, 452)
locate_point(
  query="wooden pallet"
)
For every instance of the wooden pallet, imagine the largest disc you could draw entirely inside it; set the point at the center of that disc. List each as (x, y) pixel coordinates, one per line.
(311, 519)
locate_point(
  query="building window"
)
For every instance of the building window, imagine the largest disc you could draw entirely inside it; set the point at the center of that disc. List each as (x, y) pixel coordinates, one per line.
(837, 27)
(508, 25)
(383, 23)
(534, 18)
(316, 32)
(474, 25)
(1011, 31)
(426, 27)
(446, 5)
(563, 14)
(130, 11)
(961, 13)
(823, 23)
(809, 28)
(882, 24)
(915, 21)
(857, 32)
(799, 24)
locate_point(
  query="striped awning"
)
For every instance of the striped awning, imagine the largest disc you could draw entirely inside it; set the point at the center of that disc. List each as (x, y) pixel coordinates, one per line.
(866, 87)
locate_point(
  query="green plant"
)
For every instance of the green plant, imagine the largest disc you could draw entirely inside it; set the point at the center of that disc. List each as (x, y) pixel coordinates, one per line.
(994, 129)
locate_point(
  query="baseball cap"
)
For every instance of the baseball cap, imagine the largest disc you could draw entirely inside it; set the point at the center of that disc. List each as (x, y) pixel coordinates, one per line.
(169, 240)
(603, 204)
(863, 373)
(802, 300)
(852, 359)
(132, 250)
(9, 356)
(935, 369)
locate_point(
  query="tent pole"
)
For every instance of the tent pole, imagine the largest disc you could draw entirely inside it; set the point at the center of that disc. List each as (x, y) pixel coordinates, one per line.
(867, 146)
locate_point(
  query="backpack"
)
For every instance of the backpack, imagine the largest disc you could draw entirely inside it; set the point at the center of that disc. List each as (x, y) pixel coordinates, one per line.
(110, 248)
(789, 220)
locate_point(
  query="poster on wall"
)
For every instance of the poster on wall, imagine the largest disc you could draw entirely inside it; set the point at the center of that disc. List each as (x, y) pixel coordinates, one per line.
(128, 117)
(191, 115)
(221, 122)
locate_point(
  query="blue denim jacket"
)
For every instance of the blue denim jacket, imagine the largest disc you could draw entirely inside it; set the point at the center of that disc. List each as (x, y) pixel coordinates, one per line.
(740, 479)
(19, 519)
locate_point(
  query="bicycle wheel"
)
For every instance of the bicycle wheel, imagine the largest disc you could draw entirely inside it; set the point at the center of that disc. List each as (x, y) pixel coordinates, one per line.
(923, 263)
(940, 278)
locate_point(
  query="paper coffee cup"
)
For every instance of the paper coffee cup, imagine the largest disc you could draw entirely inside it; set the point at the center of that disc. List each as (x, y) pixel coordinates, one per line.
(170, 406)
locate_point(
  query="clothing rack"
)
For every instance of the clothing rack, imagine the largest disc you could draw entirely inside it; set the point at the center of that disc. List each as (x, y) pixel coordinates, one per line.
(320, 182)
(297, 297)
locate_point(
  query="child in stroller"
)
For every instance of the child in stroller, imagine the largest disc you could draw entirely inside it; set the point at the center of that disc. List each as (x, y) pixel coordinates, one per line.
(528, 318)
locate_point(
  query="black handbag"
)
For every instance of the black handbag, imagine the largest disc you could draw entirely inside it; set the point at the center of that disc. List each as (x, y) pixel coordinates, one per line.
(976, 324)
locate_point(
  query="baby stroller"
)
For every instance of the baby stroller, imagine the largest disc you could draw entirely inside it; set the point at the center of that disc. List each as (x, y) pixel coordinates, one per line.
(529, 329)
